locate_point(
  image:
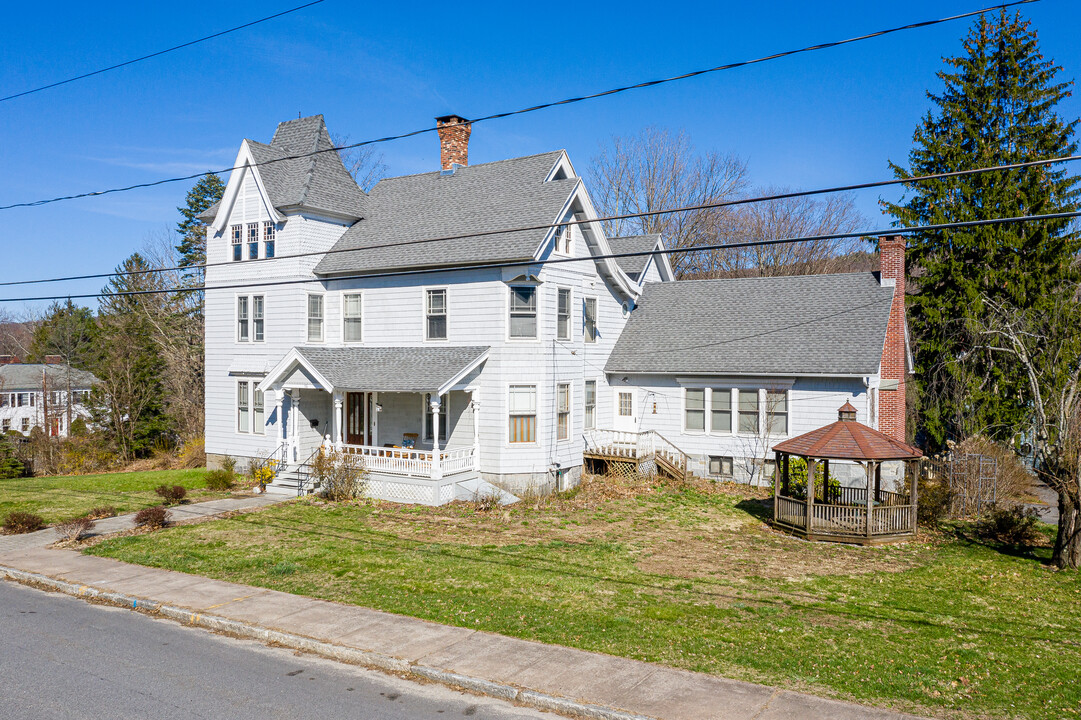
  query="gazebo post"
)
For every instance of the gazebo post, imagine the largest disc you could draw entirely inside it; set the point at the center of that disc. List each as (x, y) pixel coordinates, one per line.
(810, 493)
(785, 475)
(878, 482)
(825, 481)
(777, 461)
(872, 467)
(909, 468)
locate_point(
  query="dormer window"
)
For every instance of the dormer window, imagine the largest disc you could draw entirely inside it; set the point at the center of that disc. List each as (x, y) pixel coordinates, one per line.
(253, 241)
(269, 234)
(238, 248)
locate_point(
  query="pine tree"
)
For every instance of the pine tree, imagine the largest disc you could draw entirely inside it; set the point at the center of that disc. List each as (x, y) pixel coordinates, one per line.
(997, 106)
(192, 247)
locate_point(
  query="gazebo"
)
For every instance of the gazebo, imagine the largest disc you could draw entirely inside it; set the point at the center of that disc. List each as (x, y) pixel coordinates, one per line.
(864, 515)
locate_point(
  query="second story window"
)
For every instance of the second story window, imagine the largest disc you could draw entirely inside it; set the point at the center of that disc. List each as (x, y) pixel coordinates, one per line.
(253, 241)
(257, 317)
(352, 319)
(589, 328)
(522, 413)
(242, 329)
(563, 411)
(269, 234)
(436, 312)
(315, 318)
(238, 247)
(590, 415)
(563, 314)
(523, 311)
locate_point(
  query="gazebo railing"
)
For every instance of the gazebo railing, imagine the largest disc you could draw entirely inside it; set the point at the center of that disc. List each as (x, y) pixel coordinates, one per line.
(854, 496)
(846, 520)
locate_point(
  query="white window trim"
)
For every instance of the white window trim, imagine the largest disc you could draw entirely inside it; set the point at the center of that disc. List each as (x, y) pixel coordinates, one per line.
(251, 318)
(446, 312)
(570, 410)
(248, 241)
(764, 398)
(537, 424)
(760, 393)
(596, 319)
(570, 314)
(585, 394)
(307, 319)
(253, 387)
(731, 411)
(341, 305)
(539, 313)
(234, 242)
(264, 239)
(683, 411)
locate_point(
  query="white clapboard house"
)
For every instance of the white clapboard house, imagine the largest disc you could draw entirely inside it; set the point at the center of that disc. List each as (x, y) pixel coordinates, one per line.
(419, 327)
(49, 396)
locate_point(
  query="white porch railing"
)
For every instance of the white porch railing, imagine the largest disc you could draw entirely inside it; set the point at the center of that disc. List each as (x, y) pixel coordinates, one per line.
(412, 463)
(648, 445)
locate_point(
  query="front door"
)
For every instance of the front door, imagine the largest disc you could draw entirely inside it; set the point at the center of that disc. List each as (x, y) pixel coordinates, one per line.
(358, 419)
(626, 410)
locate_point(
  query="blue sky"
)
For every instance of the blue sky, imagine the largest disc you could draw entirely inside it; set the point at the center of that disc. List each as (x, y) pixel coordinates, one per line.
(373, 69)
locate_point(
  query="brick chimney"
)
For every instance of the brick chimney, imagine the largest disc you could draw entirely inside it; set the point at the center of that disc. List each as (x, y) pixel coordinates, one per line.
(8, 360)
(891, 404)
(54, 359)
(453, 140)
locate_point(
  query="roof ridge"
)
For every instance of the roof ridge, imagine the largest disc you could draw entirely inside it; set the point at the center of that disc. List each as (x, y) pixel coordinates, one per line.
(766, 277)
(478, 165)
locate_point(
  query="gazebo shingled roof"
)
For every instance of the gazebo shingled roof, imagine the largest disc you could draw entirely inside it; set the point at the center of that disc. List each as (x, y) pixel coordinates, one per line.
(847, 440)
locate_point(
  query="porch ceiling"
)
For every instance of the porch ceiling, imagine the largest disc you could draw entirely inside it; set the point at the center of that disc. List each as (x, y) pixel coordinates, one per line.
(384, 369)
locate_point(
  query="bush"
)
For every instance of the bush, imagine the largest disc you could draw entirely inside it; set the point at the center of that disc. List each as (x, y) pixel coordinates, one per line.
(171, 494)
(152, 517)
(219, 480)
(339, 476)
(797, 479)
(933, 501)
(193, 453)
(1015, 527)
(74, 529)
(18, 522)
(10, 465)
(104, 511)
(262, 471)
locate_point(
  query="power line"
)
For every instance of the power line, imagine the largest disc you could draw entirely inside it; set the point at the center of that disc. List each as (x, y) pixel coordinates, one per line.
(535, 108)
(527, 228)
(156, 54)
(554, 261)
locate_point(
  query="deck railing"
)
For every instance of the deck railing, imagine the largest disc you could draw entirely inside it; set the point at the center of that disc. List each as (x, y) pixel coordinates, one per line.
(411, 462)
(636, 445)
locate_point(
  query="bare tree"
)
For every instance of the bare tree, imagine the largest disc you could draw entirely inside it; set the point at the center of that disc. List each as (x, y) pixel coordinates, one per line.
(1048, 348)
(364, 163)
(658, 169)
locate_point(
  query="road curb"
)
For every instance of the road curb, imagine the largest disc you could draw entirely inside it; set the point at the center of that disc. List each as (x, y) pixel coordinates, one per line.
(341, 653)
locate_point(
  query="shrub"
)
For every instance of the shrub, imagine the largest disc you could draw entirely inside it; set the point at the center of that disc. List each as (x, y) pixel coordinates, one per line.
(171, 493)
(797, 479)
(219, 480)
(193, 453)
(104, 511)
(74, 529)
(933, 501)
(10, 465)
(1015, 527)
(262, 471)
(228, 464)
(152, 517)
(23, 522)
(339, 476)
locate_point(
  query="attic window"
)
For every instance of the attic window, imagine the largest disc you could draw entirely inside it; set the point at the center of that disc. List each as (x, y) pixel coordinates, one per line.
(238, 247)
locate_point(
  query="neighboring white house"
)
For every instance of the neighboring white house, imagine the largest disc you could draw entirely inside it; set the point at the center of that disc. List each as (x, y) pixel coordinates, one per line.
(408, 327)
(47, 396)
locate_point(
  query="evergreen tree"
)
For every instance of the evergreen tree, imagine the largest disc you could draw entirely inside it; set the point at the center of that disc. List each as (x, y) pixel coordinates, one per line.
(192, 247)
(68, 330)
(997, 106)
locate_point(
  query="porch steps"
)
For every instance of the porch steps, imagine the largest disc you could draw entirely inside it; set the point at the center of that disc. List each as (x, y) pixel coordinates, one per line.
(287, 481)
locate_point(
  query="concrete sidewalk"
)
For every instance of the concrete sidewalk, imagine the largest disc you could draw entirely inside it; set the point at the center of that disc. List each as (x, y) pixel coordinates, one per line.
(107, 526)
(544, 676)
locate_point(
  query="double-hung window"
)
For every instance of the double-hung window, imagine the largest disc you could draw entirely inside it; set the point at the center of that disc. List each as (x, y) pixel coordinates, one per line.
(352, 320)
(5, 400)
(748, 412)
(257, 317)
(694, 409)
(429, 417)
(269, 235)
(435, 310)
(5, 425)
(523, 311)
(25, 425)
(250, 413)
(242, 320)
(563, 314)
(243, 407)
(720, 417)
(257, 410)
(589, 326)
(315, 318)
(253, 241)
(563, 411)
(777, 412)
(522, 413)
(590, 414)
(238, 247)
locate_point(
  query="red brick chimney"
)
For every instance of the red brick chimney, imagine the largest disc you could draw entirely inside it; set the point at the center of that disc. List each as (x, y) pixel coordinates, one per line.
(8, 360)
(453, 140)
(54, 359)
(891, 403)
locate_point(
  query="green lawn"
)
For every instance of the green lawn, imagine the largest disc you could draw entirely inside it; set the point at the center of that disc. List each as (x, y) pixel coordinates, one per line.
(685, 578)
(65, 497)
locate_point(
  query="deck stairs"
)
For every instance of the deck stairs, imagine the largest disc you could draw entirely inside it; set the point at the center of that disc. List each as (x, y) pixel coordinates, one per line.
(648, 452)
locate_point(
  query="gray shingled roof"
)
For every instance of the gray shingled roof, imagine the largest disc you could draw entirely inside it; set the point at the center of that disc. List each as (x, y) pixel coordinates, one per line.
(390, 369)
(477, 198)
(210, 213)
(634, 266)
(315, 182)
(26, 377)
(798, 325)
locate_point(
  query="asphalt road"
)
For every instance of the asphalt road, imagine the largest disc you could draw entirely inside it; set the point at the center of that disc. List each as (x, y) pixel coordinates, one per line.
(64, 658)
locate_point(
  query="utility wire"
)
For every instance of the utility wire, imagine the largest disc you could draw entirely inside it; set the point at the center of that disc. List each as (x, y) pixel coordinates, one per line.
(156, 54)
(535, 108)
(554, 261)
(627, 216)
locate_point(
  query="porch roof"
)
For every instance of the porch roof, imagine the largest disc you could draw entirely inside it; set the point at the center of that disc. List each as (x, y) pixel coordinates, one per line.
(381, 369)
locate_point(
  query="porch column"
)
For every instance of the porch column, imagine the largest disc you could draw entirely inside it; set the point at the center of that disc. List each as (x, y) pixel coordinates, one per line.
(279, 407)
(474, 405)
(338, 421)
(437, 470)
(295, 423)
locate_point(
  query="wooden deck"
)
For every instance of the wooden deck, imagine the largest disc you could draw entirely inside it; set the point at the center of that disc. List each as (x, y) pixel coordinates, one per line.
(844, 518)
(645, 453)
